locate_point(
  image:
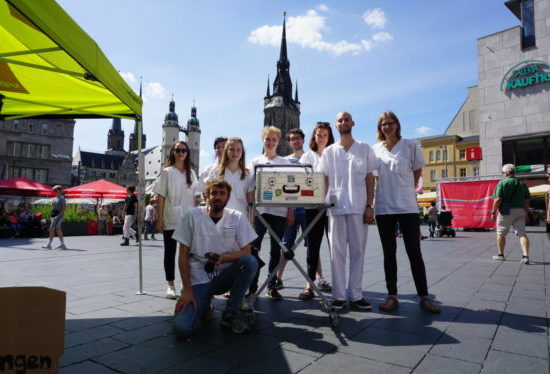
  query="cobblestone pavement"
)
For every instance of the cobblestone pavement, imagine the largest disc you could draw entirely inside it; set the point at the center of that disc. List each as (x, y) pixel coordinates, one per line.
(494, 318)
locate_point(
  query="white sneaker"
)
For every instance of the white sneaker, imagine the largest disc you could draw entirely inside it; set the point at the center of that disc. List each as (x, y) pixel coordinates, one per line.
(47, 246)
(61, 246)
(498, 257)
(524, 260)
(171, 293)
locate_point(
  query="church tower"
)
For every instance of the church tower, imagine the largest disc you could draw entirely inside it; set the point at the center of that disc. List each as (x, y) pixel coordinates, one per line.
(134, 139)
(170, 131)
(280, 109)
(193, 139)
(115, 138)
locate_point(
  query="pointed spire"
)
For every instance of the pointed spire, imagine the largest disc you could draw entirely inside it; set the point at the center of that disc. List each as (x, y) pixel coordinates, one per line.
(296, 95)
(283, 55)
(172, 105)
(116, 125)
(267, 94)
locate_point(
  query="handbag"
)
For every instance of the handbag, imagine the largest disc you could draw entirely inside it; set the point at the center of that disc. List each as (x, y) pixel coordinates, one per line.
(504, 207)
(55, 212)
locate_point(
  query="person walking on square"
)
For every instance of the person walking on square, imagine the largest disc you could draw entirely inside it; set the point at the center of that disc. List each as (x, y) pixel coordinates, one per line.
(399, 165)
(59, 205)
(432, 218)
(348, 166)
(277, 217)
(175, 189)
(510, 208)
(103, 216)
(150, 217)
(214, 258)
(130, 209)
(320, 139)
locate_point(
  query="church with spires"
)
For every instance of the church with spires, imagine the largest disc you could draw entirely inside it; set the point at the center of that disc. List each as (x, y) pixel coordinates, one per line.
(280, 108)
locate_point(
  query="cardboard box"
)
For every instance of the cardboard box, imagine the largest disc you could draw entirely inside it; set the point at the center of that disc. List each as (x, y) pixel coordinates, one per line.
(32, 329)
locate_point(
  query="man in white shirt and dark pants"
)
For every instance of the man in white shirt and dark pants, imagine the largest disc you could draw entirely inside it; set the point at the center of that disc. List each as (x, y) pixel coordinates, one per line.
(348, 166)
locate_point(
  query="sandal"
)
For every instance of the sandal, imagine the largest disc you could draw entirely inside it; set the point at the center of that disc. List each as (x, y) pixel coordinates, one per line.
(306, 294)
(389, 305)
(429, 306)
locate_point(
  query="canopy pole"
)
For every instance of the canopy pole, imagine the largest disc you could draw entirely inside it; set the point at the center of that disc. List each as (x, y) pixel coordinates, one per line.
(141, 203)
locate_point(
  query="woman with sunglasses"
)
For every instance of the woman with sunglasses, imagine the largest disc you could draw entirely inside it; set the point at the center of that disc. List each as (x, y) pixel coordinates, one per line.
(175, 189)
(399, 164)
(320, 139)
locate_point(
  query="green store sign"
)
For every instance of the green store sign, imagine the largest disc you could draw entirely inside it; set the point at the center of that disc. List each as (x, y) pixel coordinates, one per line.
(526, 73)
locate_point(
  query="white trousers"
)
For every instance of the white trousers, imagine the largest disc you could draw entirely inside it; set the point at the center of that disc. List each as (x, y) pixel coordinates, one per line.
(127, 230)
(347, 231)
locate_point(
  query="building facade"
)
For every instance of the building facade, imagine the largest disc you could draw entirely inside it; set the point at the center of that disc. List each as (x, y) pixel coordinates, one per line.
(40, 149)
(280, 109)
(514, 92)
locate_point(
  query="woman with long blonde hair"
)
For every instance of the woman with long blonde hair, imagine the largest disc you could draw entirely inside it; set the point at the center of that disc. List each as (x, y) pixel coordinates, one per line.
(175, 190)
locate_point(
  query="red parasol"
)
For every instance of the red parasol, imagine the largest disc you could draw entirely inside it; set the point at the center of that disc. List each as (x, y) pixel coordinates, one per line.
(24, 186)
(100, 189)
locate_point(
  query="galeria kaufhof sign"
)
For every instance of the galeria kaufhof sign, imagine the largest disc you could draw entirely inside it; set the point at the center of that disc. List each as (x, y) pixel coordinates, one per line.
(526, 73)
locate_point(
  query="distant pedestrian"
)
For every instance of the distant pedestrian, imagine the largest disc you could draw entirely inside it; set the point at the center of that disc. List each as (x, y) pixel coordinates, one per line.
(150, 218)
(14, 223)
(59, 205)
(432, 218)
(510, 208)
(130, 210)
(103, 216)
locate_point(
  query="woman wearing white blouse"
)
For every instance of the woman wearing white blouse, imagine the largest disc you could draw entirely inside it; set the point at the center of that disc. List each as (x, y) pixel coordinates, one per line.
(175, 189)
(276, 217)
(320, 139)
(399, 164)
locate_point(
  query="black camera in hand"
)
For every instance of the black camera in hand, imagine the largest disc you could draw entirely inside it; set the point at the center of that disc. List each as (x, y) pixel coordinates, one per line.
(210, 266)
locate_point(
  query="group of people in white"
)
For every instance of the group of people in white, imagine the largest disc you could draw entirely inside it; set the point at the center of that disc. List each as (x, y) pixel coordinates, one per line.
(220, 242)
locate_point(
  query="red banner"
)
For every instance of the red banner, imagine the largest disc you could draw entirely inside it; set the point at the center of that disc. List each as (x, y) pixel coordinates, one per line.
(470, 202)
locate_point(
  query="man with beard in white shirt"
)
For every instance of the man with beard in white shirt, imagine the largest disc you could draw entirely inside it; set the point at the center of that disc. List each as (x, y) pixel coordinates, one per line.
(348, 165)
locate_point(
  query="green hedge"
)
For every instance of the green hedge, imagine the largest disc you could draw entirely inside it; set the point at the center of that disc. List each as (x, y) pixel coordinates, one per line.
(74, 213)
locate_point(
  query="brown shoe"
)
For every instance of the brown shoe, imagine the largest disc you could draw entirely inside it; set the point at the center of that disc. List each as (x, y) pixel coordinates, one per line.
(306, 294)
(389, 305)
(429, 306)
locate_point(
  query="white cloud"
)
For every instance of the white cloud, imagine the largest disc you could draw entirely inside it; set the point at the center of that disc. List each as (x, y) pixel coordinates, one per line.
(204, 153)
(322, 8)
(307, 32)
(128, 77)
(422, 130)
(375, 18)
(153, 90)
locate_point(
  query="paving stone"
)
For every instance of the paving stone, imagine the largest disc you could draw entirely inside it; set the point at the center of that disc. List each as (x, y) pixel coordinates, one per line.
(202, 365)
(276, 362)
(238, 354)
(86, 367)
(462, 346)
(331, 364)
(89, 350)
(436, 364)
(85, 336)
(143, 334)
(523, 343)
(509, 363)
(518, 322)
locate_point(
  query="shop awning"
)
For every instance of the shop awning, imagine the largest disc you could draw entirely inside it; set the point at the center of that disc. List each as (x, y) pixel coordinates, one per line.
(50, 67)
(23, 186)
(426, 197)
(540, 190)
(100, 189)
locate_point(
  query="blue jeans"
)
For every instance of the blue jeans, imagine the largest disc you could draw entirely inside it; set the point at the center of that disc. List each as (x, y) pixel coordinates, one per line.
(431, 226)
(236, 278)
(292, 231)
(278, 225)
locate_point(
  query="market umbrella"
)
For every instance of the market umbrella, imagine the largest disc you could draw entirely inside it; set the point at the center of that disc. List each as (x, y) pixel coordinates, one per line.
(24, 186)
(428, 196)
(539, 190)
(100, 189)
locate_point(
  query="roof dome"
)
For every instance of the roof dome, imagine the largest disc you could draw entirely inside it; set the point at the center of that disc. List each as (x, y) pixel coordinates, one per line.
(193, 121)
(171, 115)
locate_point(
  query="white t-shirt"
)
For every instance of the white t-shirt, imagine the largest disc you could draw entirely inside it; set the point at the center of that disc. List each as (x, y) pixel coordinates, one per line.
(346, 172)
(311, 158)
(178, 196)
(150, 213)
(395, 186)
(276, 211)
(293, 159)
(239, 187)
(197, 231)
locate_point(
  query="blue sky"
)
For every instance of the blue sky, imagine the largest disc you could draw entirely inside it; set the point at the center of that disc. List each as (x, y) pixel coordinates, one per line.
(416, 58)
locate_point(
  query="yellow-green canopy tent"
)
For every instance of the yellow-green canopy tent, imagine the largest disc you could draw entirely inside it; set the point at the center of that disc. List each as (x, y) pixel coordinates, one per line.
(50, 67)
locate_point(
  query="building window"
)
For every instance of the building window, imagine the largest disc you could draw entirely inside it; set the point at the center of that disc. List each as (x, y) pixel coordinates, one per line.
(15, 125)
(45, 128)
(41, 175)
(527, 24)
(462, 154)
(431, 155)
(443, 173)
(476, 172)
(532, 151)
(112, 175)
(463, 172)
(432, 175)
(438, 155)
(31, 127)
(445, 154)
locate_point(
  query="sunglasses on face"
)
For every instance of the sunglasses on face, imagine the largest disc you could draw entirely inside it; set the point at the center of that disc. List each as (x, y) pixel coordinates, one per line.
(387, 123)
(181, 150)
